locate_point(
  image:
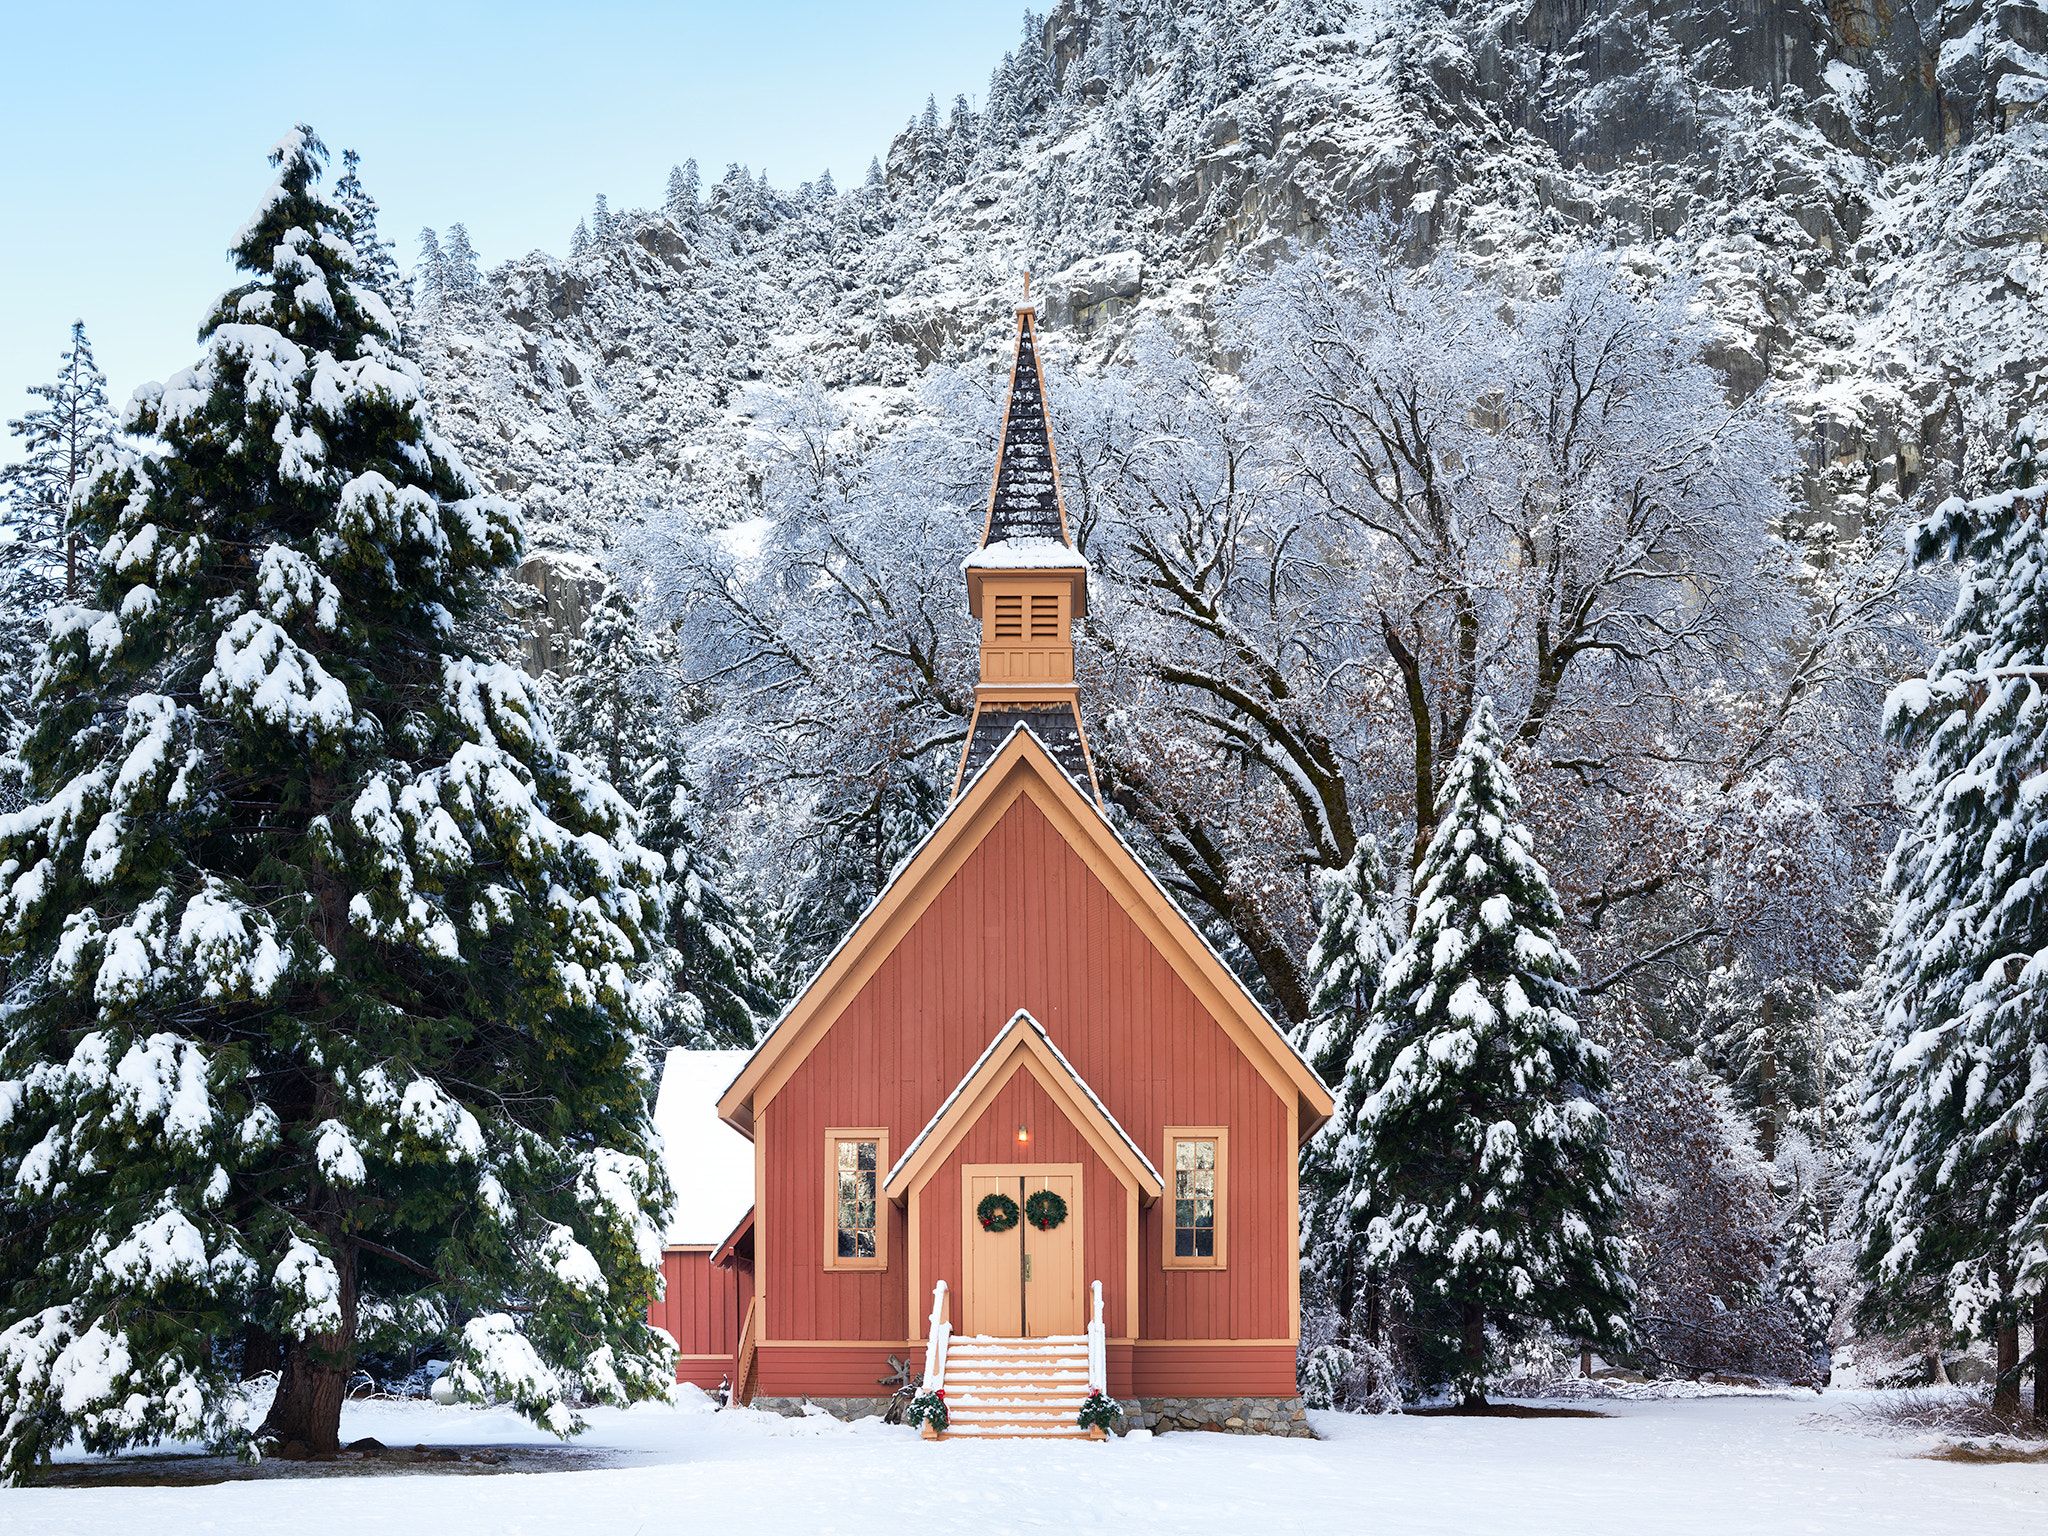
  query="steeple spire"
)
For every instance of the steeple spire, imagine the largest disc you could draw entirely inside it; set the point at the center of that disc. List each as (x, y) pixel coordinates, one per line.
(1027, 584)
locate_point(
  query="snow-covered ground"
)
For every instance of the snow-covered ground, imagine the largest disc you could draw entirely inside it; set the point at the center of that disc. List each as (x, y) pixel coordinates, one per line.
(1723, 1465)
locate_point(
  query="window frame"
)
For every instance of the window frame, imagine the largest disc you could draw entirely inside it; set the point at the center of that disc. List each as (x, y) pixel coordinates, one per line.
(1175, 1134)
(834, 1137)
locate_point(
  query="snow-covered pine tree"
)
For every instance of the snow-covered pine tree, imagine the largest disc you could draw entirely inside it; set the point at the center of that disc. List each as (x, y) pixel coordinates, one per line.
(1956, 1204)
(461, 281)
(430, 274)
(373, 253)
(60, 438)
(1361, 930)
(601, 221)
(1482, 1154)
(620, 709)
(322, 1015)
(681, 202)
(959, 141)
(931, 150)
(579, 240)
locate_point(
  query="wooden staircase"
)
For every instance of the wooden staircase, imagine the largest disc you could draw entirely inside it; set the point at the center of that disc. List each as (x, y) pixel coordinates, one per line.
(1009, 1389)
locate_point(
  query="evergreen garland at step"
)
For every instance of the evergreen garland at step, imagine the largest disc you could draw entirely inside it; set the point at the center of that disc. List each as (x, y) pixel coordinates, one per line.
(323, 1016)
(1481, 1155)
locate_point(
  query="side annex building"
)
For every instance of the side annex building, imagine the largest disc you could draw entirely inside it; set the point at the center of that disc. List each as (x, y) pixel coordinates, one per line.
(1023, 1009)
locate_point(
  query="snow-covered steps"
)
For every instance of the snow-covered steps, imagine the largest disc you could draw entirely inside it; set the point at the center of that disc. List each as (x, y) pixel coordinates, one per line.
(1000, 1389)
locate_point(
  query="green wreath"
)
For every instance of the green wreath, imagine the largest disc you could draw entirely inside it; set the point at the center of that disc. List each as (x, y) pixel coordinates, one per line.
(996, 1213)
(1045, 1210)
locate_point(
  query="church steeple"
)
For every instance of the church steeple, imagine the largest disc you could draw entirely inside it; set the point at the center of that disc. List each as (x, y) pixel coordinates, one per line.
(1027, 584)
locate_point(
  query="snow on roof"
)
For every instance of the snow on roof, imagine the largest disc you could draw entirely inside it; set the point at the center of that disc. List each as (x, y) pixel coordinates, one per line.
(710, 1164)
(1033, 553)
(1019, 1020)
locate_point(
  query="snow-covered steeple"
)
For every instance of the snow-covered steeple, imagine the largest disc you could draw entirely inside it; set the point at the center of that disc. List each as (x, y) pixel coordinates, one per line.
(1027, 584)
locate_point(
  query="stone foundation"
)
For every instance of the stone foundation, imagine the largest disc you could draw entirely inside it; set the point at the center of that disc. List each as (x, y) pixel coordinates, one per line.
(847, 1408)
(1221, 1415)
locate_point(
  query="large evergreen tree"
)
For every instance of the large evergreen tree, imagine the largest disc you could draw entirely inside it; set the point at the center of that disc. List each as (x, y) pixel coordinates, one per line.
(1481, 1152)
(1956, 1206)
(623, 709)
(323, 1015)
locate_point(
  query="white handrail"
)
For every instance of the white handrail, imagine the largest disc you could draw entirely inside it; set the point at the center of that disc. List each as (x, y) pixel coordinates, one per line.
(935, 1346)
(1098, 1349)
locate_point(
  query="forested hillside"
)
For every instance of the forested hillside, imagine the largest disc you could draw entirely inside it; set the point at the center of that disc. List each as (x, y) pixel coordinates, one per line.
(1753, 284)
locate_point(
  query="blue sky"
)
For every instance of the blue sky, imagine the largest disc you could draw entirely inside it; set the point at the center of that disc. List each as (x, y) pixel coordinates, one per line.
(134, 135)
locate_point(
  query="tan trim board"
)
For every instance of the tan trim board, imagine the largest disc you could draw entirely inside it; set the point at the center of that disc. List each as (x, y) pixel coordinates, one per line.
(834, 1135)
(1294, 1226)
(1220, 1134)
(840, 1344)
(690, 1248)
(1211, 1343)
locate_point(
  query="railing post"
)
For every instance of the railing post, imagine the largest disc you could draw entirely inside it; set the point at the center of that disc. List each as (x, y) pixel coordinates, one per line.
(935, 1345)
(1098, 1348)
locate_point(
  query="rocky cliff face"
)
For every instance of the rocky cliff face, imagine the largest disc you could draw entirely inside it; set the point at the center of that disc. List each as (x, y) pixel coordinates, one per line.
(1860, 188)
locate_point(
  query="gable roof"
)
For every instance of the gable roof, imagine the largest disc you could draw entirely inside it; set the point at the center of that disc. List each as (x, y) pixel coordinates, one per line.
(1016, 1044)
(1023, 767)
(710, 1169)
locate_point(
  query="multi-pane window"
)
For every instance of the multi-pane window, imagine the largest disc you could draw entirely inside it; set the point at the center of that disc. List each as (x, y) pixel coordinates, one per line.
(856, 1222)
(1197, 1232)
(1194, 1200)
(857, 1174)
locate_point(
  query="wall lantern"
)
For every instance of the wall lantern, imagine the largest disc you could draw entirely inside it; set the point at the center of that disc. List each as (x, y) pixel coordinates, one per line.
(1023, 1136)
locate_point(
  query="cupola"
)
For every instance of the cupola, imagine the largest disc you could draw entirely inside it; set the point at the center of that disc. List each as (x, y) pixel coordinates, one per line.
(1027, 584)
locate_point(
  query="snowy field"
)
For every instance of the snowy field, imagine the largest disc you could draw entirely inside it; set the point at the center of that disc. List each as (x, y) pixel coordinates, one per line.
(1723, 1465)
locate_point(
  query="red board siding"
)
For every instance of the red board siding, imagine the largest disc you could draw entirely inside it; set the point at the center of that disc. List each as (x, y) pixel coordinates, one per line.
(992, 1139)
(701, 1310)
(822, 1370)
(1212, 1370)
(1024, 923)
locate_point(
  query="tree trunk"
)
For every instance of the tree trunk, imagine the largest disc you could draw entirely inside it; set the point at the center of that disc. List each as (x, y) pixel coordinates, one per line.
(1473, 1356)
(1767, 1091)
(317, 1367)
(2041, 1355)
(1586, 1361)
(259, 1352)
(2005, 1396)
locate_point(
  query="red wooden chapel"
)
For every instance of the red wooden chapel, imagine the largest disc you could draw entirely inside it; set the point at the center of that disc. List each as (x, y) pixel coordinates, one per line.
(1023, 1009)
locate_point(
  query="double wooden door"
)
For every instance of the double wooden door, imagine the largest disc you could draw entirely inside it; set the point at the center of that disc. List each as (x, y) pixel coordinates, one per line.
(1022, 1283)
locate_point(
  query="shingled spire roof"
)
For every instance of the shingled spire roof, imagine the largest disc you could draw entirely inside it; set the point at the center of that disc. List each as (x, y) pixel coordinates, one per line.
(1027, 584)
(1024, 502)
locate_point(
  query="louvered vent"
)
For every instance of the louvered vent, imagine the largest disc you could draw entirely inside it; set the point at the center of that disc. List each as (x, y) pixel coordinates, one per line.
(1010, 616)
(1045, 616)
